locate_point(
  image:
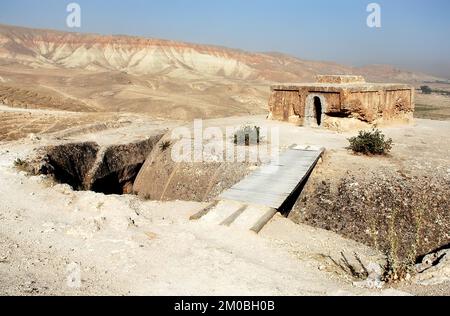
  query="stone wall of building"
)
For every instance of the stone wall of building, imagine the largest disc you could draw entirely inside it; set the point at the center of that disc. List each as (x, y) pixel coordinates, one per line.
(357, 103)
(286, 106)
(340, 79)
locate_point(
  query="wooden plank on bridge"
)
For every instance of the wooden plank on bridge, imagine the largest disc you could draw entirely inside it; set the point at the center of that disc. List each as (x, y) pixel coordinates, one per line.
(271, 185)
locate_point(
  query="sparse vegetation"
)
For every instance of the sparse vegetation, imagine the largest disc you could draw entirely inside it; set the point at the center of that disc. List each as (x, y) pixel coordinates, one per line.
(442, 92)
(371, 143)
(356, 272)
(426, 89)
(391, 212)
(165, 145)
(21, 164)
(397, 269)
(432, 112)
(248, 135)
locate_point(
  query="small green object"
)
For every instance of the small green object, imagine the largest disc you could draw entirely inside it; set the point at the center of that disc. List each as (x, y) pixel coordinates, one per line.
(371, 143)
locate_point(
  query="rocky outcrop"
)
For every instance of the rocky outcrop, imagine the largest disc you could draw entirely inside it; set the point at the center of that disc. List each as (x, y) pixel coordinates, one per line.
(381, 208)
(434, 268)
(161, 178)
(143, 167)
(70, 163)
(88, 166)
(119, 165)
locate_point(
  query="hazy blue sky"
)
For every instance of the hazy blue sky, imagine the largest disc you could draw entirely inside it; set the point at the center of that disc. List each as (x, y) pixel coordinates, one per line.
(415, 33)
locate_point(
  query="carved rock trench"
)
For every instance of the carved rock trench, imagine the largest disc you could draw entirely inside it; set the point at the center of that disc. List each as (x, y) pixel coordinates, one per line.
(104, 169)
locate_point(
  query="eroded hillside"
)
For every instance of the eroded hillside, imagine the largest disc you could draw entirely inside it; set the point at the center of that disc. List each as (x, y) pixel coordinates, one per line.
(175, 80)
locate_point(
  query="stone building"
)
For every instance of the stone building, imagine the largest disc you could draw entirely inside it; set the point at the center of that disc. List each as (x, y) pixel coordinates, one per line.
(342, 102)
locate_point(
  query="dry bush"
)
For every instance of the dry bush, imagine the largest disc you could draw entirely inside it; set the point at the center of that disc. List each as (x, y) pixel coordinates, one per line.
(165, 145)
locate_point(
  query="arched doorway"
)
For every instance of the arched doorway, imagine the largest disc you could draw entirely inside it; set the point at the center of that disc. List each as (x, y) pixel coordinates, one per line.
(318, 110)
(315, 108)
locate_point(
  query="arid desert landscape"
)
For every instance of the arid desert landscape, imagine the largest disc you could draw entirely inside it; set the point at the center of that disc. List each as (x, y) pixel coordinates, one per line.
(92, 203)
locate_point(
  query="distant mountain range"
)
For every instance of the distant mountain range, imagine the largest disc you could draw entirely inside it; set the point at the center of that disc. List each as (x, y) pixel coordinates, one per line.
(142, 56)
(166, 79)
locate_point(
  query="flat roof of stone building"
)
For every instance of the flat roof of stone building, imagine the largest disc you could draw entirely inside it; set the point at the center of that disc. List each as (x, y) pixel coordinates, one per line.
(337, 83)
(337, 87)
(340, 79)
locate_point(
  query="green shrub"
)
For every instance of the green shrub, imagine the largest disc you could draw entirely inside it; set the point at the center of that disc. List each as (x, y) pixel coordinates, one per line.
(426, 89)
(247, 135)
(371, 143)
